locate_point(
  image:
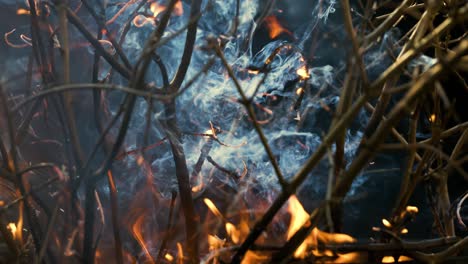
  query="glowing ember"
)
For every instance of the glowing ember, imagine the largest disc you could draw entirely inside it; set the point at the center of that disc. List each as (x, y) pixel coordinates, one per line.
(412, 209)
(386, 223)
(233, 233)
(169, 257)
(391, 259)
(274, 27)
(13, 229)
(303, 73)
(299, 91)
(208, 133)
(180, 253)
(140, 160)
(212, 207)
(198, 187)
(22, 11)
(253, 257)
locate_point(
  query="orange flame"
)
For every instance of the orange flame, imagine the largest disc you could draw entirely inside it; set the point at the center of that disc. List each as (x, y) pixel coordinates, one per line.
(391, 259)
(137, 228)
(13, 229)
(303, 73)
(299, 91)
(412, 209)
(22, 11)
(157, 8)
(232, 231)
(19, 224)
(213, 208)
(299, 217)
(215, 242)
(274, 27)
(169, 257)
(180, 253)
(386, 223)
(197, 188)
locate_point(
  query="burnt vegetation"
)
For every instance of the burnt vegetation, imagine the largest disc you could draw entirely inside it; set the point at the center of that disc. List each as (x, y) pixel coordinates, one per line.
(236, 131)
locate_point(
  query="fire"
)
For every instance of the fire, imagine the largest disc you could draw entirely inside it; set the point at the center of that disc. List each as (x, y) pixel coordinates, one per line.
(178, 8)
(299, 91)
(22, 11)
(303, 73)
(197, 188)
(209, 133)
(157, 8)
(13, 229)
(386, 223)
(215, 242)
(26, 11)
(137, 230)
(432, 118)
(180, 253)
(212, 208)
(274, 27)
(412, 209)
(232, 231)
(252, 257)
(391, 259)
(238, 233)
(299, 217)
(140, 160)
(169, 257)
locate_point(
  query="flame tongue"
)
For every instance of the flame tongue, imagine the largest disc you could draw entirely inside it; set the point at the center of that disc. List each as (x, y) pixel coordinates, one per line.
(274, 27)
(300, 217)
(157, 8)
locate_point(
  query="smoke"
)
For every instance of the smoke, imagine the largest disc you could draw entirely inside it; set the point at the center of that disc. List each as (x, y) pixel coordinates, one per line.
(293, 125)
(214, 97)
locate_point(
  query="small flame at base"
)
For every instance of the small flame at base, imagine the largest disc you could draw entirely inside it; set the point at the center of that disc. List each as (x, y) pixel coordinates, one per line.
(299, 217)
